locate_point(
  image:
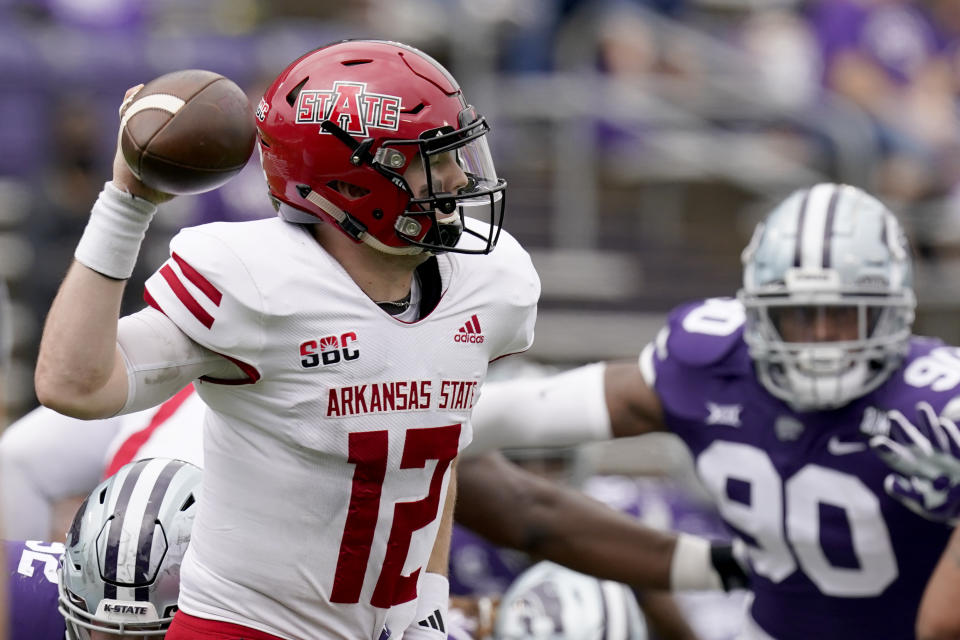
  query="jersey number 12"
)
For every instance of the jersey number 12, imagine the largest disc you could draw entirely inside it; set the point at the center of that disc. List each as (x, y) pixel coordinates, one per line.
(368, 451)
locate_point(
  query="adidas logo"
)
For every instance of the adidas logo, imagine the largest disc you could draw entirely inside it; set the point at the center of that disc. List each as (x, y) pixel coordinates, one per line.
(435, 620)
(470, 332)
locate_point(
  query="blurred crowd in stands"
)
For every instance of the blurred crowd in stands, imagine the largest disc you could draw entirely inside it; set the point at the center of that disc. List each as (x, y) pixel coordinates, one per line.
(655, 130)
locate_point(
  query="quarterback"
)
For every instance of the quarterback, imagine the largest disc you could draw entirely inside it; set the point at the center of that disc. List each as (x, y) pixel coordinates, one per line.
(772, 392)
(323, 341)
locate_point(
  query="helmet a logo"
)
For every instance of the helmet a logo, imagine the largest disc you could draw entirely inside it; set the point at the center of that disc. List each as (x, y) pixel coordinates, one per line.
(349, 106)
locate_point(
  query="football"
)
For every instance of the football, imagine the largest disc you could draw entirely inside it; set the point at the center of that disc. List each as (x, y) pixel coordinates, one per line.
(187, 131)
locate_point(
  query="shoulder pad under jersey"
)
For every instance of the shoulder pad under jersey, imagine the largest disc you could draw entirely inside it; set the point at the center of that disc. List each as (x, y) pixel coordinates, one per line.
(702, 333)
(508, 267)
(506, 282)
(208, 288)
(931, 373)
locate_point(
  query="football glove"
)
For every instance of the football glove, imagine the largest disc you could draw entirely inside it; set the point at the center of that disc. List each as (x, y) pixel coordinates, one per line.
(730, 562)
(926, 457)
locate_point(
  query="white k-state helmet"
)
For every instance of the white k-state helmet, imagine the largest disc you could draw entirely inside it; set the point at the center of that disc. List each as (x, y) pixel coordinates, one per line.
(120, 573)
(551, 602)
(827, 288)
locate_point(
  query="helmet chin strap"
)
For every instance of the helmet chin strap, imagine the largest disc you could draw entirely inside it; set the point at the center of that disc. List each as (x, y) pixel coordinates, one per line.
(292, 214)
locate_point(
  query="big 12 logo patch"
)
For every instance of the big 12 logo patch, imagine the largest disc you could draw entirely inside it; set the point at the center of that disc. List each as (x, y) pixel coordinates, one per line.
(328, 350)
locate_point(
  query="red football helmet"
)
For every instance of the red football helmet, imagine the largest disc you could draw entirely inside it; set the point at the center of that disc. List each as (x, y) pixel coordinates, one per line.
(346, 131)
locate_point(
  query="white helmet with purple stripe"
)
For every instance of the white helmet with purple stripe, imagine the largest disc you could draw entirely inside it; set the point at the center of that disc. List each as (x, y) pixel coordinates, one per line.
(828, 291)
(551, 602)
(120, 573)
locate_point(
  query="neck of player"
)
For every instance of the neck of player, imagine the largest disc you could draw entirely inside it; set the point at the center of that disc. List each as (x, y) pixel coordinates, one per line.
(383, 277)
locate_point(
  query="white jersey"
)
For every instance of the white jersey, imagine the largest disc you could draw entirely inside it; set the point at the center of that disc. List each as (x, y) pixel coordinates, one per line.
(326, 470)
(172, 430)
(46, 457)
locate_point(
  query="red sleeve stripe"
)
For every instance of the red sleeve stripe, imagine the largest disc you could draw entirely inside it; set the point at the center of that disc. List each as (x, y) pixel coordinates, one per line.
(150, 301)
(128, 450)
(198, 280)
(188, 300)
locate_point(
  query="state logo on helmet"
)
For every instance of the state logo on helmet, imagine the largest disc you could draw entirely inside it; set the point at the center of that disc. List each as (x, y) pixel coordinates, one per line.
(827, 288)
(376, 137)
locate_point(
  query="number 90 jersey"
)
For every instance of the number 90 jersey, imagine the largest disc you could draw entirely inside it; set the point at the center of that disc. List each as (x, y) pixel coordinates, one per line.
(32, 590)
(324, 475)
(832, 556)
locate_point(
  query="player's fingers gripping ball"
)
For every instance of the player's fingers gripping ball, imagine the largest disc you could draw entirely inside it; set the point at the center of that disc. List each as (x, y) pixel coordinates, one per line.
(128, 98)
(123, 177)
(186, 132)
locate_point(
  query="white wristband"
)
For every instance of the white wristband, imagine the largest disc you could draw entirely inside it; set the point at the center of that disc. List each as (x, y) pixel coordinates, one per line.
(691, 568)
(432, 604)
(111, 240)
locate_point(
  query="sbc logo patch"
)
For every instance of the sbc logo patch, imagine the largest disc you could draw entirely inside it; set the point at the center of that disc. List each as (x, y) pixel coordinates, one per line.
(328, 350)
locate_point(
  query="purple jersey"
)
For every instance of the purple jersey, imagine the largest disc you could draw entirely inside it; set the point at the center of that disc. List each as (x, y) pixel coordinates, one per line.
(32, 570)
(832, 555)
(478, 567)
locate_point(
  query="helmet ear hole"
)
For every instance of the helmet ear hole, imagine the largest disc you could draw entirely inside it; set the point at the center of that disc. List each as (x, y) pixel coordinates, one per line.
(77, 600)
(350, 191)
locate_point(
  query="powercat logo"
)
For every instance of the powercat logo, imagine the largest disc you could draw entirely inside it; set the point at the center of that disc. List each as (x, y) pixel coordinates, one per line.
(349, 106)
